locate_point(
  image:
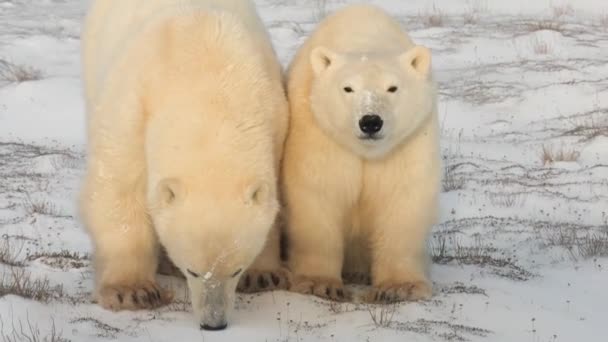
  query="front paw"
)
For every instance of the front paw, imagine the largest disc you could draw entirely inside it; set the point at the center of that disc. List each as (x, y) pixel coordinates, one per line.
(399, 292)
(258, 281)
(145, 295)
(321, 287)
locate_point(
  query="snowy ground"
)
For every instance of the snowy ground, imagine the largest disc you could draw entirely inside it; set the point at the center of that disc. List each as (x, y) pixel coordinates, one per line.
(521, 252)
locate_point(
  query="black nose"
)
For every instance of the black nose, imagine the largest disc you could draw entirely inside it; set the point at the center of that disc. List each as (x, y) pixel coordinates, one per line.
(371, 124)
(214, 328)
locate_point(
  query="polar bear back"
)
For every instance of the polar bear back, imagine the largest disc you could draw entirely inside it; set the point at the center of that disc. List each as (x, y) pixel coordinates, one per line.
(105, 40)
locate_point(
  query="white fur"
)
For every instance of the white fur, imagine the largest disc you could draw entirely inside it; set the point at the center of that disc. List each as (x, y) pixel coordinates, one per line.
(359, 206)
(187, 117)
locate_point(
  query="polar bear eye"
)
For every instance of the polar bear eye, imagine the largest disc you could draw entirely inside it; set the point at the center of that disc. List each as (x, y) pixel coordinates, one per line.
(195, 275)
(393, 89)
(348, 89)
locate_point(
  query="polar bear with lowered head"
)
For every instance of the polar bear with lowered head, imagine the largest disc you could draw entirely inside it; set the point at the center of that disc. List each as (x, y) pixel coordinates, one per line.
(187, 117)
(362, 165)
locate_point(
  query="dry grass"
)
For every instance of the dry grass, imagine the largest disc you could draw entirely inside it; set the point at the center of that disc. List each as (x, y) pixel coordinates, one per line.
(506, 200)
(19, 282)
(319, 9)
(550, 155)
(546, 25)
(541, 47)
(451, 182)
(30, 332)
(64, 259)
(603, 20)
(102, 329)
(562, 10)
(590, 127)
(17, 73)
(446, 250)
(63, 161)
(9, 252)
(382, 315)
(40, 207)
(433, 18)
(593, 245)
(585, 245)
(474, 11)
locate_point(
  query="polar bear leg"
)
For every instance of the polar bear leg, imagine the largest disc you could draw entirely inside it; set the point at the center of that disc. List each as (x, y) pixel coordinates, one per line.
(114, 208)
(399, 256)
(316, 246)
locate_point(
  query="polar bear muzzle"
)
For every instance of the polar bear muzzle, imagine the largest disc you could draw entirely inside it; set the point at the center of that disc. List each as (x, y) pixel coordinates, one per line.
(211, 302)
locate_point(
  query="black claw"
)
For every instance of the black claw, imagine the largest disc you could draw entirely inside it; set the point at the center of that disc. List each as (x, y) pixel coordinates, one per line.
(247, 281)
(275, 279)
(340, 293)
(157, 293)
(327, 292)
(134, 298)
(262, 283)
(150, 297)
(383, 296)
(120, 299)
(409, 291)
(377, 297)
(143, 298)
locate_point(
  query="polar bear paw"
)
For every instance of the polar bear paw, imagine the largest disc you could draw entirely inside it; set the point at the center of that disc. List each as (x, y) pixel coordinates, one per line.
(321, 287)
(258, 281)
(393, 293)
(146, 295)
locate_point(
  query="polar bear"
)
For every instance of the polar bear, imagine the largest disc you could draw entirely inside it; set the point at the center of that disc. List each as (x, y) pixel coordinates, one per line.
(361, 170)
(187, 117)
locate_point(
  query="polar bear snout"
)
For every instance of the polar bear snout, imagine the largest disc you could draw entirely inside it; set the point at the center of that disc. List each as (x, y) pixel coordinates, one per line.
(371, 125)
(212, 301)
(211, 328)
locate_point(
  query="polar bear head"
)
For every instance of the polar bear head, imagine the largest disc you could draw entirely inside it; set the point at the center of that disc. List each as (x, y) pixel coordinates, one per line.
(213, 223)
(371, 103)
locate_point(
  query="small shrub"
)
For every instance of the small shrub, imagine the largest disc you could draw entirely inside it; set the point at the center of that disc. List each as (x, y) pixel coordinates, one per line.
(550, 155)
(16, 73)
(451, 182)
(9, 252)
(563, 10)
(433, 18)
(507, 200)
(604, 21)
(591, 127)
(593, 246)
(541, 47)
(549, 25)
(29, 332)
(474, 10)
(319, 10)
(19, 282)
(40, 207)
(382, 316)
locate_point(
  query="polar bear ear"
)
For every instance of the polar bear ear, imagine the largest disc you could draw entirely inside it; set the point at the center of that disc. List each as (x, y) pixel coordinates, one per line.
(169, 191)
(417, 59)
(257, 193)
(322, 58)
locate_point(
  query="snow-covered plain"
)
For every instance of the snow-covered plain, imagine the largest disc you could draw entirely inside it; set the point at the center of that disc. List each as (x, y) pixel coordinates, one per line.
(521, 250)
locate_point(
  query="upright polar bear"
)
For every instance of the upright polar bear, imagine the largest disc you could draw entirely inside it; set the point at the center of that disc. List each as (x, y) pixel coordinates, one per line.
(361, 168)
(187, 117)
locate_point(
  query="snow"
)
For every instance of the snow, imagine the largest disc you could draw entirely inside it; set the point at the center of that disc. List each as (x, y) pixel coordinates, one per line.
(520, 251)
